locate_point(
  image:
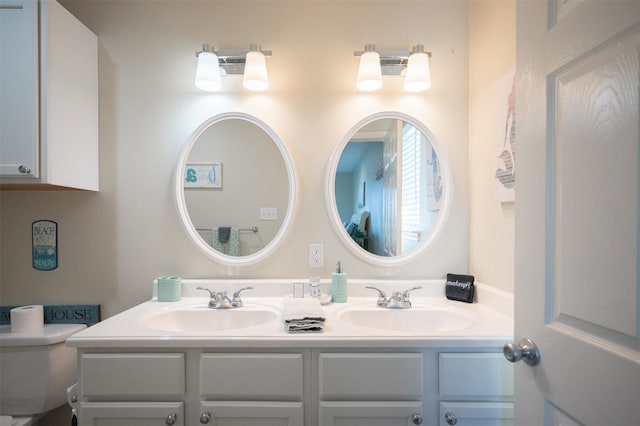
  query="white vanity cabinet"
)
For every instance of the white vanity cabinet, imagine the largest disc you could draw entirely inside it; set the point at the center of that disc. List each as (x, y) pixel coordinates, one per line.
(370, 388)
(123, 389)
(49, 101)
(475, 389)
(247, 388)
(283, 386)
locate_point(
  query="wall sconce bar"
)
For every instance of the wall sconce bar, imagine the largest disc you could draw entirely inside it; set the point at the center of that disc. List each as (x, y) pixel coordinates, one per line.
(231, 62)
(397, 62)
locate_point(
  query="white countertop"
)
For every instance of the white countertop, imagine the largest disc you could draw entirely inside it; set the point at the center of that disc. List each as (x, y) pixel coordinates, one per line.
(493, 324)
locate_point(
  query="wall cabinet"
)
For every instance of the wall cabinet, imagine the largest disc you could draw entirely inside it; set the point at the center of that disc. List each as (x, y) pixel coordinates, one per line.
(293, 387)
(49, 102)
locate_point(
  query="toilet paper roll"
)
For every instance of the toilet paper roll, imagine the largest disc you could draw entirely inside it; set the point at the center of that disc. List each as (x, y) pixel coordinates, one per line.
(27, 318)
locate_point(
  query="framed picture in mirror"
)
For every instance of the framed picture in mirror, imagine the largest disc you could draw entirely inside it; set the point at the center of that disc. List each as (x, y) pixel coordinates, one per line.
(203, 175)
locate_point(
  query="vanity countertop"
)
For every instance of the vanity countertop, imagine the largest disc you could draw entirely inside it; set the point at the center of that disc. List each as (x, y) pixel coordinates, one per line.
(491, 325)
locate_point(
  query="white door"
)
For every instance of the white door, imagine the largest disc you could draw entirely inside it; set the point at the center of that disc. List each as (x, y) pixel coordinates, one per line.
(577, 214)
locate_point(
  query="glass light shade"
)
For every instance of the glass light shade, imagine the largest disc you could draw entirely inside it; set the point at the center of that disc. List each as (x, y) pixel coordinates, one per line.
(208, 72)
(255, 72)
(369, 72)
(417, 77)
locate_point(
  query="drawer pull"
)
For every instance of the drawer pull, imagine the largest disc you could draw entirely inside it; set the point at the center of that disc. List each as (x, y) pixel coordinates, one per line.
(171, 419)
(451, 418)
(205, 417)
(416, 419)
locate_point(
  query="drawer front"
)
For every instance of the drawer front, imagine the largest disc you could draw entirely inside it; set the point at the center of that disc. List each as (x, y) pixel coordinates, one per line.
(123, 376)
(363, 413)
(379, 376)
(476, 413)
(132, 413)
(255, 413)
(258, 376)
(487, 375)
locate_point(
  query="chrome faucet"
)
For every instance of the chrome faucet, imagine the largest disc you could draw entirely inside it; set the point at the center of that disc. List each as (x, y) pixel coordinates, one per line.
(220, 300)
(397, 300)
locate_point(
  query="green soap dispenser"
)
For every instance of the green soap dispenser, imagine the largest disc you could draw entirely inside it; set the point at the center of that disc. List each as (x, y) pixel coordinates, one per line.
(339, 285)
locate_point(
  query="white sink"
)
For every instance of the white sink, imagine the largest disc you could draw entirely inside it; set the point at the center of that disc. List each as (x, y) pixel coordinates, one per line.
(199, 319)
(417, 320)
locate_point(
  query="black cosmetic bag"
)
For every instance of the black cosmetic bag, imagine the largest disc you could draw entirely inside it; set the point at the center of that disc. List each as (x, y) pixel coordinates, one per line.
(460, 288)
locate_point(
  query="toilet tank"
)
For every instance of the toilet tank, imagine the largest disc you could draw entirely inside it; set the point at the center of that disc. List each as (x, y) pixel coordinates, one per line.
(36, 368)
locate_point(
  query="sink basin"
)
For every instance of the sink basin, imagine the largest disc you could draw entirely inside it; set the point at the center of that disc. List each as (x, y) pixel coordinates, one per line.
(204, 319)
(417, 320)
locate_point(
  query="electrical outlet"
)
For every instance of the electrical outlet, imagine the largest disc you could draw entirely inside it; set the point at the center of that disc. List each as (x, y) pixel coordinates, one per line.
(316, 255)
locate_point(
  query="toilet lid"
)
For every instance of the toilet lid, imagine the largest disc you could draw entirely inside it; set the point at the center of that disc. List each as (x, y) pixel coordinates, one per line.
(50, 334)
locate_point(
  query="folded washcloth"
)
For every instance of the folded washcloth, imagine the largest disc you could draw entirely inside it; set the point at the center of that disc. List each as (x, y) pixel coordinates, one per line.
(223, 233)
(303, 315)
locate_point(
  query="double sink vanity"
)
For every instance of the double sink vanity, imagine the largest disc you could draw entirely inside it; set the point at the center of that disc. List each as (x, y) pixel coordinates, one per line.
(438, 362)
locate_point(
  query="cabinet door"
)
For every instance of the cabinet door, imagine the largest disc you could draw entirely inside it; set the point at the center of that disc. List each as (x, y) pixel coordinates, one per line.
(19, 146)
(254, 413)
(132, 414)
(476, 413)
(378, 413)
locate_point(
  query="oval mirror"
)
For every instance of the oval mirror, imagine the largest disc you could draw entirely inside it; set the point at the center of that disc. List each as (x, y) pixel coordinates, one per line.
(235, 188)
(388, 188)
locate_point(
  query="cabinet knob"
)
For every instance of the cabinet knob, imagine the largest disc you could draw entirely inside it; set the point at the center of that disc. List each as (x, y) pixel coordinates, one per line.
(451, 419)
(416, 419)
(24, 169)
(171, 419)
(205, 417)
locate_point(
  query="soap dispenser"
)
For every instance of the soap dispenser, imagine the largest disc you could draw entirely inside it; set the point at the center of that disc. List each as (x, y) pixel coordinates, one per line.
(339, 284)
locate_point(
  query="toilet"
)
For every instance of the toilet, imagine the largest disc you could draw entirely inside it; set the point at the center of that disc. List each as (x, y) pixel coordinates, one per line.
(36, 368)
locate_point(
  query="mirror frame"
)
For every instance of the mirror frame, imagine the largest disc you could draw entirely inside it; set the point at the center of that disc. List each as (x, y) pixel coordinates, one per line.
(330, 193)
(181, 205)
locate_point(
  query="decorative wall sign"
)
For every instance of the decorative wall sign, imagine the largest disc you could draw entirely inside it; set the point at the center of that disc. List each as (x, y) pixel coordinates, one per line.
(200, 175)
(505, 175)
(60, 314)
(44, 245)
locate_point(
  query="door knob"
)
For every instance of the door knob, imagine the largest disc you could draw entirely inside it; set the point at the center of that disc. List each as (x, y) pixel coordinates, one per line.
(525, 350)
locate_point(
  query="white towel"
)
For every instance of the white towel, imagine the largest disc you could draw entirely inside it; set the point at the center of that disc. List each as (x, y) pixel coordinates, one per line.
(303, 315)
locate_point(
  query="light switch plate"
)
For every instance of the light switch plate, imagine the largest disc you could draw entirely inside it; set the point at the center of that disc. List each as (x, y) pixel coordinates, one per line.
(268, 213)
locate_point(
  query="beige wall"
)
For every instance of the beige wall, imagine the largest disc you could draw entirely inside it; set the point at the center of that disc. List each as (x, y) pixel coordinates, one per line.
(112, 244)
(492, 55)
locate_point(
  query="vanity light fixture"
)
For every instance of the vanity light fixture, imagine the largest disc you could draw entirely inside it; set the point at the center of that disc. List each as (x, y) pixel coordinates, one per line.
(369, 71)
(208, 70)
(255, 71)
(250, 63)
(414, 66)
(418, 77)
